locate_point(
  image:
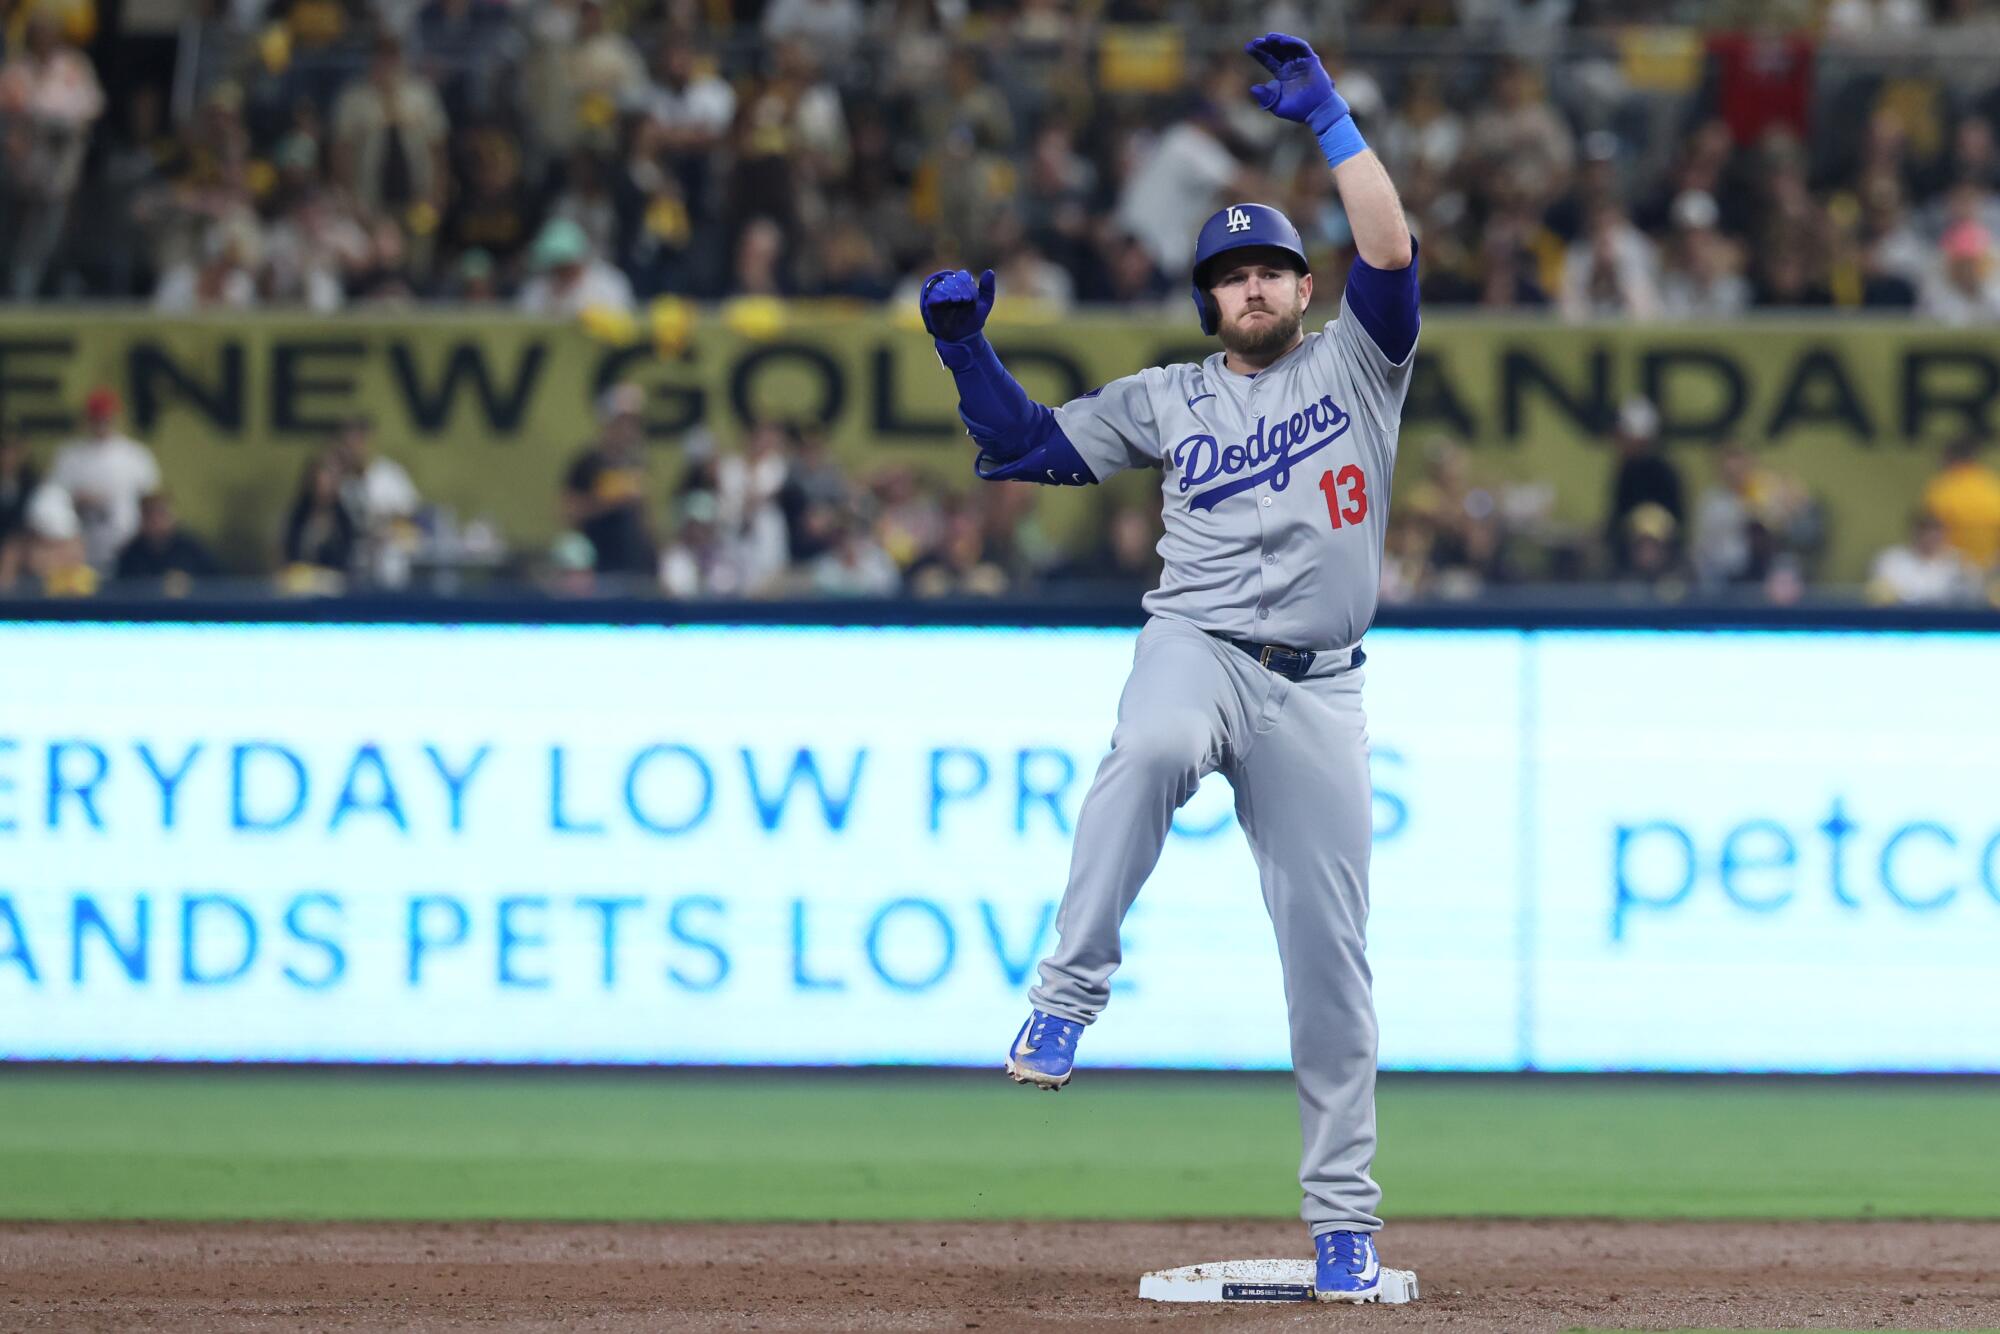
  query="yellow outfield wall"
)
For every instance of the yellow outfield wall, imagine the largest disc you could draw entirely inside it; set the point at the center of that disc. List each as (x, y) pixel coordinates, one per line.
(486, 409)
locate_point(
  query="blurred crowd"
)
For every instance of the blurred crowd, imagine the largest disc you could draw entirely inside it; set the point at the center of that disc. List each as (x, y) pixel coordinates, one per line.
(1612, 159)
(1751, 533)
(775, 515)
(1639, 159)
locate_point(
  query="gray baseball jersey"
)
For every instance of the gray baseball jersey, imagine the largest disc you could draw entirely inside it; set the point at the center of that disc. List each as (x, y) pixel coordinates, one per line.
(1277, 496)
(1276, 484)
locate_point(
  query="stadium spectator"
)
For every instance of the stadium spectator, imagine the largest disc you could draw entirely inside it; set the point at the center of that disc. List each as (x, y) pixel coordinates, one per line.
(389, 136)
(1176, 184)
(18, 480)
(1731, 540)
(962, 562)
(1024, 272)
(1609, 272)
(1017, 539)
(1763, 80)
(1965, 497)
(388, 272)
(1924, 571)
(790, 140)
(1423, 132)
(692, 564)
(1124, 563)
(708, 557)
(1649, 539)
(472, 280)
(688, 107)
(320, 535)
(760, 267)
(1406, 559)
(969, 129)
(1964, 288)
(1703, 278)
(222, 277)
(311, 246)
(493, 210)
(579, 74)
(569, 277)
(749, 517)
(1865, 18)
(1461, 522)
(1894, 254)
(604, 492)
(163, 553)
(1595, 185)
(585, 198)
(1644, 477)
(49, 100)
(1519, 138)
(749, 480)
(1508, 272)
(382, 502)
(1700, 164)
(657, 235)
(854, 565)
(854, 265)
(467, 44)
(831, 27)
(53, 555)
(105, 473)
(909, 518)
(108, 236)
(815, 499)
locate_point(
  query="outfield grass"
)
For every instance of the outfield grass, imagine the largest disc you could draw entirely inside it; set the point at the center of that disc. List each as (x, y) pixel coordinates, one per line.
(107, 1143)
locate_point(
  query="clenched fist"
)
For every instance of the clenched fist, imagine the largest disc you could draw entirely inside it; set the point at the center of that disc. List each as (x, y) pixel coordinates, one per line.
(954, 308)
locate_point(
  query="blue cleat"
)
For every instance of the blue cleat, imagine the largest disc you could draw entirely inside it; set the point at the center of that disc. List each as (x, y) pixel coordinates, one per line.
(1044, 1051)
(1349, 1269)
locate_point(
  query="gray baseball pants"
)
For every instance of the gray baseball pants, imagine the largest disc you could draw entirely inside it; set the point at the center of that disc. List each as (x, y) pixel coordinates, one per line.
(1296, 754)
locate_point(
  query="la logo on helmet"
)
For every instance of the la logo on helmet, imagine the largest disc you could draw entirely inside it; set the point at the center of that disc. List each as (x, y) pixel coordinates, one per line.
(1239, 221)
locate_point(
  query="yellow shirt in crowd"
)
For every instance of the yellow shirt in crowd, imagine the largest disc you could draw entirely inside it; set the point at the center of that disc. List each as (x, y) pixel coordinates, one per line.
(1966, 500)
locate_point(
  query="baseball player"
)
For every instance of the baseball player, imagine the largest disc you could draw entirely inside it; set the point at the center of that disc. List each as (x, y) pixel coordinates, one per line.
(1275, 455)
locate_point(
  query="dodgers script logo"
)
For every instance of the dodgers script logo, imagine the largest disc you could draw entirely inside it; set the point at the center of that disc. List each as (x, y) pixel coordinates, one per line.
(1271, 451)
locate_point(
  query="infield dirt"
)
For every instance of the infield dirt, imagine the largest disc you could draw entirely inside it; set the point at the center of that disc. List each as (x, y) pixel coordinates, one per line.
(1485, 1274)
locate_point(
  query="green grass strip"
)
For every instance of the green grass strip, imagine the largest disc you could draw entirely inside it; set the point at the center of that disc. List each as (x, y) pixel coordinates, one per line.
(332, 1144)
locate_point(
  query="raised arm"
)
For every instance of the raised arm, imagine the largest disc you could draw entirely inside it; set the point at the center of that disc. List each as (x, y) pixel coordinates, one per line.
(1381, 235)
(1300, 90)
(1382, 287)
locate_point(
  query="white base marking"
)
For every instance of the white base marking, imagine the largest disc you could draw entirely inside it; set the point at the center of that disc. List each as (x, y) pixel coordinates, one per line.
(1281, 1280)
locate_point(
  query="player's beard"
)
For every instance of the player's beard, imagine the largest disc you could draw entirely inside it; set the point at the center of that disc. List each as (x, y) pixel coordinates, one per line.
(1260, 342)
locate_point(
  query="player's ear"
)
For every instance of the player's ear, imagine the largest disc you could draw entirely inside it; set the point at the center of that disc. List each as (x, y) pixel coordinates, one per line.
(1305, 291)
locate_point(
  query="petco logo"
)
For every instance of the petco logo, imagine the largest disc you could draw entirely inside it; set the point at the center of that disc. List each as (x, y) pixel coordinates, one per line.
(1239, 221)
(1911, 868)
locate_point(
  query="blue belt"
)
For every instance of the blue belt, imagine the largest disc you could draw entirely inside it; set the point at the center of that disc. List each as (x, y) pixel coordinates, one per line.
(1290, 663)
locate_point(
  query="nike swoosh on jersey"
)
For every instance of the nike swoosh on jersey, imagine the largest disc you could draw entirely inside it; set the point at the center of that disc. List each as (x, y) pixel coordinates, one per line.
(1198, 398)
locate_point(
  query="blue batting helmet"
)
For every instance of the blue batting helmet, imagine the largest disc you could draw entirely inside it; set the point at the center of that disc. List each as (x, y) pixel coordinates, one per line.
(1234, 228)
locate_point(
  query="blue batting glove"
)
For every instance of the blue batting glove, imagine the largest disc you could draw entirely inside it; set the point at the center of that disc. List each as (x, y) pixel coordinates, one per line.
(954, 309)
(1299, 89)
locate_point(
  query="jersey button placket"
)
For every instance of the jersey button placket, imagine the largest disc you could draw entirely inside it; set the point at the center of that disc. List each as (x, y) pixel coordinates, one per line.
(1263, 528)
(1270, 558)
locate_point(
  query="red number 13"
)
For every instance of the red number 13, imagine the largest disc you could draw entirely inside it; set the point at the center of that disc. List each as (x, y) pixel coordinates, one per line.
(1351, 480)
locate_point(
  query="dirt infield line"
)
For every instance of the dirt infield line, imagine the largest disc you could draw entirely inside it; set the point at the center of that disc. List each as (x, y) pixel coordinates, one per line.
(1476, 1274)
